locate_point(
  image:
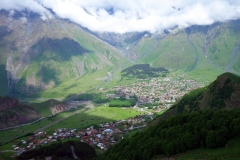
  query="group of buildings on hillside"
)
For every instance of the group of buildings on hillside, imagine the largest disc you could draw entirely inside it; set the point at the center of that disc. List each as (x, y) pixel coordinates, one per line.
(103, 136)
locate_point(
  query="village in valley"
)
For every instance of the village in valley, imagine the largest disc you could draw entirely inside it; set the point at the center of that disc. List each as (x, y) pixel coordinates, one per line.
(102, 136)
(159, 93)
(154, 95)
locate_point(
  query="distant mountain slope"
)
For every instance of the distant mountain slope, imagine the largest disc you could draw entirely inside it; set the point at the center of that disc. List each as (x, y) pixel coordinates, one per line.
(42, 54)
(38, 55)
(208, 50)
(125, 42)
(13, 112)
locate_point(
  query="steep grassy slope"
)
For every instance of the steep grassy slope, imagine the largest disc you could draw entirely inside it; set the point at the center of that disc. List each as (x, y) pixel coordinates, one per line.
(179, 51)
(174, 51)
(218, 43)
(203, 67)
(145, 46)
(222, 43)
(199, 50)
(39, 55)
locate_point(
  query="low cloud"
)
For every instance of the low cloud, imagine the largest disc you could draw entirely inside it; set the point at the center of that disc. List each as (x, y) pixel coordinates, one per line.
(133, 15)
(30, 5)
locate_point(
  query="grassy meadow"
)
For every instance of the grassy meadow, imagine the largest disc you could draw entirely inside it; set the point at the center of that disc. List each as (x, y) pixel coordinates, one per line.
(95, 116)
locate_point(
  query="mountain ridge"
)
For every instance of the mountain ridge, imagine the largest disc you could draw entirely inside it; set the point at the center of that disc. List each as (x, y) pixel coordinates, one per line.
(193, 49)
(35, 49)
(46, 56)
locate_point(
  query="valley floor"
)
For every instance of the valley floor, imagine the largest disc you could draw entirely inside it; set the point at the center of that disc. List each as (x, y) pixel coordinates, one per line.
(103, 126)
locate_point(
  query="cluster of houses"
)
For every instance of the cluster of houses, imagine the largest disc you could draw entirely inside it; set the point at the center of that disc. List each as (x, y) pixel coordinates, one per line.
(103, 136)
(163, 90)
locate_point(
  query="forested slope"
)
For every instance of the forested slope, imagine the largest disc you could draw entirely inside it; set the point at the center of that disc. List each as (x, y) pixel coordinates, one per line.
(177, 134)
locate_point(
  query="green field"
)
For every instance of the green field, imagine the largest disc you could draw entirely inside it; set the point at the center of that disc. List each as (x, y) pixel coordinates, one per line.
(95, 116)
(122, 103)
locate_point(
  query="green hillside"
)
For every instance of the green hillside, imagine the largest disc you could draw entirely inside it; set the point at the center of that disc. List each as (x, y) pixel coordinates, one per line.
(173, 51)
(205, 51)
(178, 51)
(144, 46)
(221, 94)
(53, 59)
(225, 39)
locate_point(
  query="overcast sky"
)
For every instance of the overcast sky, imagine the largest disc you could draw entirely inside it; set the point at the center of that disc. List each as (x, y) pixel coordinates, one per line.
(132, 15)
